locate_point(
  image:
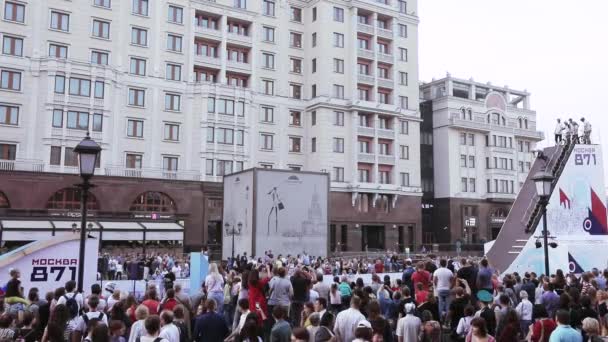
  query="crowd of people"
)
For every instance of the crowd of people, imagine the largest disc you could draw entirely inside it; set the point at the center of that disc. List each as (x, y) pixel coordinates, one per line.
(570, 131)
(141, 267)
(302, 298)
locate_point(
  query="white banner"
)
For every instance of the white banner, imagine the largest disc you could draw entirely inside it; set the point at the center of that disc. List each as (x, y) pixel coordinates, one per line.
(48, 264)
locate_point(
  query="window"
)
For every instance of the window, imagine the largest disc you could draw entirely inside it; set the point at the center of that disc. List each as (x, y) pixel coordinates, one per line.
(98, 57)
(295, 118)
(295, 39)
(363, 68)
(364, 94)
(174, 43)
(338, 40)
(102, 3)
(405, 178)
(97, 122)
(10, 80)
(224, 167)
(403, 78)
(383, 48)
(295, 144)
(463, 184)
(338, 174)
(385, 177)
(364, 146)
(339, 14)
(78, 120)
(339, 145)
(140, 7)
(471, 139)
(472, 185)
(8, 151)
(314, 39)
(463, 138)
(266, 142)
(101, 29)
(267, 114)
(171, 132)
(98, 92)
(268, 34)
(363, 43)
(314, 14)
(55, 155)
(527, 166)
(225, 107)
(364, 176)
(14, 11)
(295, 91)
(137, 97)
(60, 21)
(268, 60)
(338, 66)
(138, 66)
(404, 102)
(363, 19)
(175, 15)
(135, 128)
(237, 55)
(463, 160)
(57, 118)
(403, 30)
(295, 14)
(268, 86)
(295, 65)
(404, 152)
(224, 136)
(404, 127)
(526, 144)
(384, 122)
(9, 115)
(268, 8)
(172, 102)
(170, 163)
(403, 54)
(133, 161)
(402, 6)
(240, 4)
(209, 167)
(382, 24)
(313, 145)
(238, 28)
(58, 51)
(338, 118)
(174, 72)
(338, 91)
(472, 162)
(240, 137)
(12, 46)
(384, 149)
(313, 118)
(139, 36)
(80, 87)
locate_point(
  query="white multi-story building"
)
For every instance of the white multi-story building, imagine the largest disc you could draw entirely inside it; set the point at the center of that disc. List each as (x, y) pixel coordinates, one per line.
(477, 143)
(193, 90)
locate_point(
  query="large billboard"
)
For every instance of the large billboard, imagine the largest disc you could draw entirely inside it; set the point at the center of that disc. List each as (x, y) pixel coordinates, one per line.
(576, 216)
(49, 263)
(278, 210)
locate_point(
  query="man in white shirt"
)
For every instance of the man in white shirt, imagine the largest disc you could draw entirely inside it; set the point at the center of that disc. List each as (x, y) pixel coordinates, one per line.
(443, 280)
(81, 322)
(347, 321)
(70, 291)
(168, 330)
(586, 131)
(559, 128)
(408, 327)
(524, 310)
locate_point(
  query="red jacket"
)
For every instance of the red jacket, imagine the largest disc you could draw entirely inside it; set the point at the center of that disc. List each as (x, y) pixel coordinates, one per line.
(256, 296)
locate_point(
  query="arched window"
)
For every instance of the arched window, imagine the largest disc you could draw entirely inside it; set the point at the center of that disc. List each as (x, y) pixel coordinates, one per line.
(526, 123)
(520, 123)
(470, 114)
(503, 120)
(464, 113)
(153, 201)
(69, 199)
(4, 203)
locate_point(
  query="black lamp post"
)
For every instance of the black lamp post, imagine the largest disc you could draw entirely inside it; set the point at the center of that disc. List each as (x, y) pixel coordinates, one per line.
(88, 152)
(233, 231)
(544, 184)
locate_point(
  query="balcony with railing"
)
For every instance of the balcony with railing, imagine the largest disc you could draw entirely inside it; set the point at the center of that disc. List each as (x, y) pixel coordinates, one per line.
(385, 33)
(207, 61)
(158, 173)
(365, 53)
(21, 165)
(386, 159)
(386, 133)
(384, 57)
(367, 131)
(367, 79)
(369, 29)
(366, 157)
(385, 83)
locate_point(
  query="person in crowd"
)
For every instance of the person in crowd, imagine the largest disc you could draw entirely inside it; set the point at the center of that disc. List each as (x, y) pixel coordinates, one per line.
(464, 324)
(168, 331)
(380, 325)
(301, 284)
(484, 277)
(117, 331)
(281, 330)
(138, 328)
(591, 327)
(564, 332)
(210, 326)
(486, 311)
(300, 335)
(431, 331)
(559, 127)
(456, 309)
(152, 326)
(543, 326)
(281, 290)
(325, 332)
(257, 297)
(524, 312)
(549, 299)
(347, 320)
(321, 287)
(315, 321)
(182, 323)
(335, 298)
(510, 328)
(363, 332)
(214, 286)
(308, 310)
(169, 302)
(151, 301)
(586, 131)
(408, 327)
(442, 282)
(479, 332)
(82, 322)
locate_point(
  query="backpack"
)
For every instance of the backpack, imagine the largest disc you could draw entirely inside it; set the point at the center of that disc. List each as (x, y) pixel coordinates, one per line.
(72, 305)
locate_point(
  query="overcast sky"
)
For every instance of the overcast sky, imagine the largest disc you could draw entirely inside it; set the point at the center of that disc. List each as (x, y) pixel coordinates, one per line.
(557, 50)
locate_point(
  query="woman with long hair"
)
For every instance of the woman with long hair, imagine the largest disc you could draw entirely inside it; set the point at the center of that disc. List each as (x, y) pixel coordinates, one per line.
(479, 332)
(257, 298)
(131, 305)
(511, 328)
(118, 313)
(57, 329)
(214, 286)
(542, 327)
(380, 325)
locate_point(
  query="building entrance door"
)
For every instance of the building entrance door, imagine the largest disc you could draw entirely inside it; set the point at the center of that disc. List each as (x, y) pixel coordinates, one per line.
(372, 237)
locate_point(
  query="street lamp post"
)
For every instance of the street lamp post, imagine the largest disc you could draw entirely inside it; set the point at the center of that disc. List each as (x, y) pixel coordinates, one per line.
(233, 231)
(544, 184)
(88, 152)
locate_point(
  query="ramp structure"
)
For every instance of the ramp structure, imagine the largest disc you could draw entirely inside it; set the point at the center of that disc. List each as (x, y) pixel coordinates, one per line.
(576, 215)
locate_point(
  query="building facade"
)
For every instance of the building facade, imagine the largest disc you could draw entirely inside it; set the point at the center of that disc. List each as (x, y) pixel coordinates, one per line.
(192, 90)
(476, 142)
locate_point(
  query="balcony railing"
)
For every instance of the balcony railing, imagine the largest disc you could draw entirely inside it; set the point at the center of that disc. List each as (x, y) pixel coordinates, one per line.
(485, 127)
(385, 83)
(365, 28)
(207, 31)
(369, 131)
(239, 38)
(238, 65)
(386, 159)
(385, 33)
(118, 171)
(369, 54)
(207, 60)
(386, 58)
(21, 165)
(365, 78)
(366, 157)
(386, 133)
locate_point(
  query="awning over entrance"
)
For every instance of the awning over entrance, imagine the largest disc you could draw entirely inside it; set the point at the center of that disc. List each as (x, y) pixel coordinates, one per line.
(30, 230)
